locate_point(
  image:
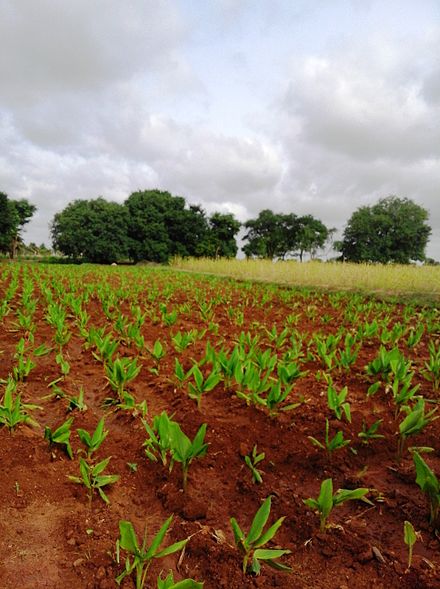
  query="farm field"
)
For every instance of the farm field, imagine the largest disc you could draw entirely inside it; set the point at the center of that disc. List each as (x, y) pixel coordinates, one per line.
(296, 387)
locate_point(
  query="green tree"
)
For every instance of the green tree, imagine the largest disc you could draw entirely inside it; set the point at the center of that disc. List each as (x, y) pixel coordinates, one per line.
(14, 214)
(161, 225)
(266, 236)
(393, 230)
(311, 235)
(220, 239)
(92, 230)
(273, 235)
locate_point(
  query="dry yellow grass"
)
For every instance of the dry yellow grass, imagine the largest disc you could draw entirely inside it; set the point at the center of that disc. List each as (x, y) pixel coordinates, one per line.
(369, 278)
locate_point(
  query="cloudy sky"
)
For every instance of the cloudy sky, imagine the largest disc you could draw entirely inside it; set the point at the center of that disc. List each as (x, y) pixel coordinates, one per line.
(304, 106)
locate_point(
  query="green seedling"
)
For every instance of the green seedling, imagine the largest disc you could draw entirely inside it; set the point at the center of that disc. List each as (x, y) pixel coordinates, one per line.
(167, 438)
(105, 345)
(12, 410)
(431, 371)
(77, 402)
(250, 545)
(200, 384)
(370, 433)
(415, 335)
(415, 422)
(410, 538)
(337, 403)
(275, 396)
(330, 445)
(184, 451)
(159, 441)
(180, 373)
(93, 479)
(140, 557)
(168, 583)
(251, 461)
(94, 441)
(129, 403)
(326, 500)
(60, 436)
(120, 372)
(430, 485)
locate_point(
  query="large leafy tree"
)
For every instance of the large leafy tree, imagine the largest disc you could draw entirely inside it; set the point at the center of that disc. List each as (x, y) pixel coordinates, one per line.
(220, 241)
(266, 236)
(14, 214)
(393, 230)
(273, 235)
(311, 235)
(93, 230)
(162, 225)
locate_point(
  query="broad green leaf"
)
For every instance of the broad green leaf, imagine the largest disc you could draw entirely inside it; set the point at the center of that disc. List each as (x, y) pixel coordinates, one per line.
(128, 540)
(171, 549)
(269, 533)
(158, 538)
(259, 522)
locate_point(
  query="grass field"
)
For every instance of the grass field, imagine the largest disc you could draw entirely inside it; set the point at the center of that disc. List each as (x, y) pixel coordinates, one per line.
(367, 278)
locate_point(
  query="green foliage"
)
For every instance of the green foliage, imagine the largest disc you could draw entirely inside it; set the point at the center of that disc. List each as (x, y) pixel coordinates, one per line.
(167, 438)
(337, 402)
(168, 583)
(91, 230)
(273, 235)
(92, 478)
(429, 484)
(60, 436)
(393, 230)
(12, 410)
(370, 433)
(94, 441)
(140, 556)
(330, 445)
(415, 422)
(14, 214)
(251, 461)
(120, 372)
(250, 545)
(201, 385)
(326, 500)
(410, 538)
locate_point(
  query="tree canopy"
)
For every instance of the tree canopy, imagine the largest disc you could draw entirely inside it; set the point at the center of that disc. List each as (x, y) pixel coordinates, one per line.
(276, 235)
(393, 230)
(95, 230)
(14, 214)
(151, 225)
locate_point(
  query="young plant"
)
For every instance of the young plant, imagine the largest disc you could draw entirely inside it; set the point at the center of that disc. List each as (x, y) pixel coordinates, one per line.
(337, 403)
(415, 422)
(250, 545)
(330, 445)
(120, 372)
(429, 484)
(93, 479)
(168, 583)
(12, 410)
(60, 436)
(167, 438)
(251, 460)
(326, 500)
(94, 441)
(201, 385)
(141, 556)
(370, 433)
(410, 538)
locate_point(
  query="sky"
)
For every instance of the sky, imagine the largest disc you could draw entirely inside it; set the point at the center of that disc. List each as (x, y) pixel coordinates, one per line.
(302, 106)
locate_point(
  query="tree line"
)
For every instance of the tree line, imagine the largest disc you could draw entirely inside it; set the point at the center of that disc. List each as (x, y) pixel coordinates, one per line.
(154, 225)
